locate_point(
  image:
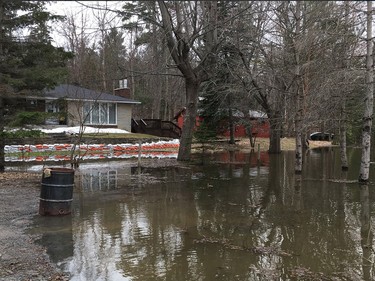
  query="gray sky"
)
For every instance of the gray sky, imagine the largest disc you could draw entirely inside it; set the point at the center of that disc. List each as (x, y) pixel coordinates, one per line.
(82, 13)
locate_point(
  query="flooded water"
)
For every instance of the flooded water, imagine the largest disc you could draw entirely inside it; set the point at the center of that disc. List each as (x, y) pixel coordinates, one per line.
(226, 219)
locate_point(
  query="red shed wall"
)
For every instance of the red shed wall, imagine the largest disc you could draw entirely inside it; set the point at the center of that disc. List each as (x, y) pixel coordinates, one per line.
(260, 128)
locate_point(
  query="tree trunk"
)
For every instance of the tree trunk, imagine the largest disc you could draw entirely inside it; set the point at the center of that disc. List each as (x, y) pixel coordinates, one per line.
(249, 134)
(299, 152)
(186, 139)
(231, 125)
(275, 134)
(2, 122)
(180, 48)
(369, 100)
(343, 154)
(299, 94)
(133, 50)
(275, 142)
(343, 115)
(2, 140)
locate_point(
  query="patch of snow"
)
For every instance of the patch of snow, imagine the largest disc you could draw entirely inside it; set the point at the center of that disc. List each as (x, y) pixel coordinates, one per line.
(86, 130)
(257, 114)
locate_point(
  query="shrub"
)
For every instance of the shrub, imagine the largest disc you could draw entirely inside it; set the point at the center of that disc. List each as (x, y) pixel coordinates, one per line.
(28, 117)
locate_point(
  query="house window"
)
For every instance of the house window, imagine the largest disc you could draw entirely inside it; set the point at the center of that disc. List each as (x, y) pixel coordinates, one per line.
(112, 113)
(52, 107)
(99, 113)
(31, 103)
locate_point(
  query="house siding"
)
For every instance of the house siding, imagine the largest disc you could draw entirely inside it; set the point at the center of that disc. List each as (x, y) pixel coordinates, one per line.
(74, 113)
(124, 116)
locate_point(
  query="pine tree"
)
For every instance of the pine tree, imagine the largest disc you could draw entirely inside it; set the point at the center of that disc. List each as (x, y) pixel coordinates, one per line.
(28, 60)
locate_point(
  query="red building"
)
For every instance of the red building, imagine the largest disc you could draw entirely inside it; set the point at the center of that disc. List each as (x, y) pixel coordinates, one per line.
(260, 126)
(241, 158)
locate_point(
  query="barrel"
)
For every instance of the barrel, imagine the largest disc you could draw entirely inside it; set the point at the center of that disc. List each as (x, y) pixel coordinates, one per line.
(56, 194)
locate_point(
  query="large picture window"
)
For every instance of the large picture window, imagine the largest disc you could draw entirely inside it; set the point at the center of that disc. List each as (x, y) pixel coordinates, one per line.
(99, 113)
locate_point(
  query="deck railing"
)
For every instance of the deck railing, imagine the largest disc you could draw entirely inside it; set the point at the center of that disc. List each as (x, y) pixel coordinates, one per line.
(156, 127)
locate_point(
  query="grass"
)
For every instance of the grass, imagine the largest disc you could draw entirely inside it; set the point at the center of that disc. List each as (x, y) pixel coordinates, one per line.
(286, 143)
(121, 136)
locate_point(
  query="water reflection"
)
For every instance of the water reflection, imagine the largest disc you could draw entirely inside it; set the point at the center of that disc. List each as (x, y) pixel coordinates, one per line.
(366, 234)
(57, 236)
(231, 219)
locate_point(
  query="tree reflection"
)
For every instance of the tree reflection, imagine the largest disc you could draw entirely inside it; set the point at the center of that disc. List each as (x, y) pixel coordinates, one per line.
(224, 222)
(366, 234)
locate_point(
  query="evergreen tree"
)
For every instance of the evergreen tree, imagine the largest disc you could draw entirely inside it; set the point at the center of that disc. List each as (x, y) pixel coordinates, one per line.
(28, 60)
(113, 53)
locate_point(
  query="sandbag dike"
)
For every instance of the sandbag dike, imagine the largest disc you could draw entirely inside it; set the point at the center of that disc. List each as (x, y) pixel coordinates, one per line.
(52, 153)
(63, 138)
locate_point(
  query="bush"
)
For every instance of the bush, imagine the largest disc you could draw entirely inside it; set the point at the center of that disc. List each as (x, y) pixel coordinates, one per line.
(28, 118)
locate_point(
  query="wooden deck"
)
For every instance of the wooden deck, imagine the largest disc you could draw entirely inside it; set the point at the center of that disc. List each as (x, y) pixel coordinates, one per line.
(156, 127)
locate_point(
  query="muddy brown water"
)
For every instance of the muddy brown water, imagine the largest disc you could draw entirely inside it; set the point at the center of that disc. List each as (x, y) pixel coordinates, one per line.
(226, 218)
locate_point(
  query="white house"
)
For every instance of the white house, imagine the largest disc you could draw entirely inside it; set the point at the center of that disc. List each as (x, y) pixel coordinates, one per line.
(78, 105)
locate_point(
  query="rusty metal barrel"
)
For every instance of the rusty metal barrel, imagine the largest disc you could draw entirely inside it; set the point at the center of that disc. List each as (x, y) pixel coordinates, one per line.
(56, 194)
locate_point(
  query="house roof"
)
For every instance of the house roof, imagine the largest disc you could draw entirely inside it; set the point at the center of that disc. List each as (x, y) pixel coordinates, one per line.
(72, 92)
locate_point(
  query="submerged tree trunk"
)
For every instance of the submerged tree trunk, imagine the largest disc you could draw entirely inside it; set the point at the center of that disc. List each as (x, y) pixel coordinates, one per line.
(252, 138)
(249, 133)
(369, 100)
(192, 88)
(299, 94)
(343, 115)
(299, 152)
(275, 135)
(343, 154)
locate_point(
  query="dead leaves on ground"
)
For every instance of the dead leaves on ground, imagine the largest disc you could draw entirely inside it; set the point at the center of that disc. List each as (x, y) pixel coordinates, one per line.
(18, 175)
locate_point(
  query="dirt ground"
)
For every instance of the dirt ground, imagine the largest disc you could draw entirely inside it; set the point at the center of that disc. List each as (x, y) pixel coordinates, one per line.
(21, 259)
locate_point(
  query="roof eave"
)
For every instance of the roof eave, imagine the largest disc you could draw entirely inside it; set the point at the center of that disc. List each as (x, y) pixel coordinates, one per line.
(89, 100)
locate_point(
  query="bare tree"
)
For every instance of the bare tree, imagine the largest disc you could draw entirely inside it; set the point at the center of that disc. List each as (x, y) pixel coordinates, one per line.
(299, 90)
(345, 77)
(288, 54)
(84, 68)
(369, 101)
(150, 67)
(190, 30)
(111, 48)
(308, 53)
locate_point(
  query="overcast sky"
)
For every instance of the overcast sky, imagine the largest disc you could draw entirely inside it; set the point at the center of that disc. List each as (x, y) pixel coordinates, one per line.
(80, 9)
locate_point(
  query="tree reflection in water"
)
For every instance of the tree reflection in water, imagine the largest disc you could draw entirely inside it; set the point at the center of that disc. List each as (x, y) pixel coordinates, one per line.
(223, 221)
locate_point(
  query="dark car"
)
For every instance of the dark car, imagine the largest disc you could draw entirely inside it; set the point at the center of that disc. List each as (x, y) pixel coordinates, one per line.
(320, 136)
